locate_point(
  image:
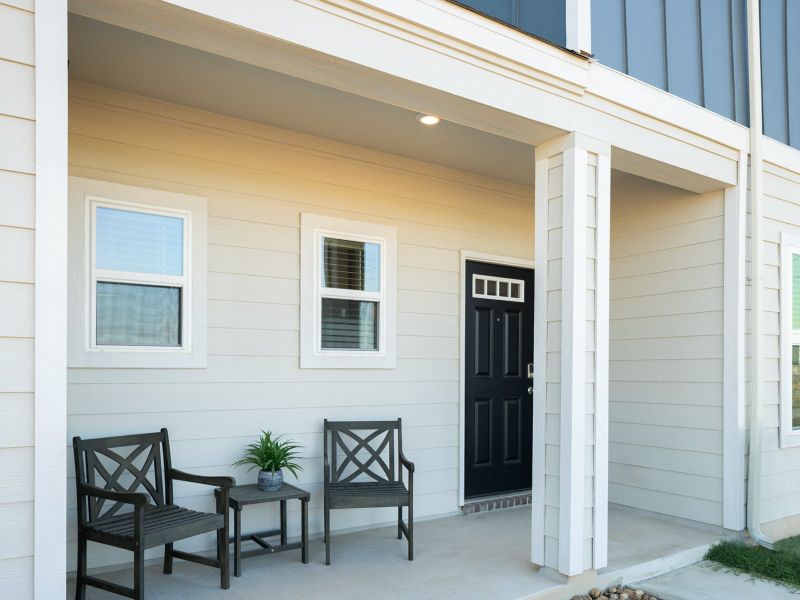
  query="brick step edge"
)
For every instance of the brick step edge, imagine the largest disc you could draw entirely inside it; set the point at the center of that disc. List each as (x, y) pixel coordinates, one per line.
(478, 506)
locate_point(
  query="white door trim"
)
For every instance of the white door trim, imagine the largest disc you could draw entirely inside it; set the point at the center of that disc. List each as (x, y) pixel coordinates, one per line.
(493, 259)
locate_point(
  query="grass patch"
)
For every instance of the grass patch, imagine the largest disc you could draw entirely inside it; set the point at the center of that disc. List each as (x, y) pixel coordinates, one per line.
(781, 564)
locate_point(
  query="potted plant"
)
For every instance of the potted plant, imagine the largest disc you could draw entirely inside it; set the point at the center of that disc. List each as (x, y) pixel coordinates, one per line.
(271, 455)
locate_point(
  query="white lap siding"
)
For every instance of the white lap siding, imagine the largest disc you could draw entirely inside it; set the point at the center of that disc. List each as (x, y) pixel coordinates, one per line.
(17, 202)
(665, 413)
(780, 480)
(258, 180)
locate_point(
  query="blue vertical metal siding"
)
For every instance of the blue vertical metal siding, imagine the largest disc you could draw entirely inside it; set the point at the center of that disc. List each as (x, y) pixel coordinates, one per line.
(684, 51)
(695, 49)
(546, 19)
(773, 69)
(780, 65)
(793, 70)
(646, 41)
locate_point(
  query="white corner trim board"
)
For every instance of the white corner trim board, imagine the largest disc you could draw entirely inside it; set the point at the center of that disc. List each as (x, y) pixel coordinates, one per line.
(579, 26)
(601, 358)
(733, 438)
(50, 299)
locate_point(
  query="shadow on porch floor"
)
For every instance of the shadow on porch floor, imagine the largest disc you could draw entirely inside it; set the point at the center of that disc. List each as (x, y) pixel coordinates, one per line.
(481, 556)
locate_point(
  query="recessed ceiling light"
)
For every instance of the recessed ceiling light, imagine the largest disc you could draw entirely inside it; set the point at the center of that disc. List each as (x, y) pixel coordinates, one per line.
(427, 119)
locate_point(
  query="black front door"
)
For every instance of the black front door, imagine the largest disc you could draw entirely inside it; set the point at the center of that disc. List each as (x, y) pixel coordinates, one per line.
(499, 347)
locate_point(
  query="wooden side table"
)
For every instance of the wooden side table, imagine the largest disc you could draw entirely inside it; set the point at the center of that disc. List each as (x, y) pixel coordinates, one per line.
(243, 495)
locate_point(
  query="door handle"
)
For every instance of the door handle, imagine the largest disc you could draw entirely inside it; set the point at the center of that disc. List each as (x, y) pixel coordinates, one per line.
(530, 371)
(530, 390)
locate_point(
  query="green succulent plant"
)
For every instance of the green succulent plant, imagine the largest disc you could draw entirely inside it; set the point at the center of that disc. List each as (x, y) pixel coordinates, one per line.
(271, 453)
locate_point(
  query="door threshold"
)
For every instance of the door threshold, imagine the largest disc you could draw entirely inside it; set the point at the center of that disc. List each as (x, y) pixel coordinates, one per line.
(496, 502)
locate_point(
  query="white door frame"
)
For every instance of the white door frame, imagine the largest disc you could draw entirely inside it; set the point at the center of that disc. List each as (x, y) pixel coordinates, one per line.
(493, 259)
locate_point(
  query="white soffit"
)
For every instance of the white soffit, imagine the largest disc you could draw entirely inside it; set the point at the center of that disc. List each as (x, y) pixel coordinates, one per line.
(132, 62)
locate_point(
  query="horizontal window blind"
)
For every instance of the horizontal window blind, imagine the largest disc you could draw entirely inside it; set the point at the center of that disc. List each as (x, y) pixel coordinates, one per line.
(351, 265)
(138, 242)
(138, 315)
(349, 324)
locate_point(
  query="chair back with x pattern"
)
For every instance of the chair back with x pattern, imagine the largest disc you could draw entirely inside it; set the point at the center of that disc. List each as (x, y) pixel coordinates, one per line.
(362, 449)
(125, 463)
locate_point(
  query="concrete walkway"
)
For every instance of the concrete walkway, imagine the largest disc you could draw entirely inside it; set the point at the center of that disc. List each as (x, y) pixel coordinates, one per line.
(707, 580)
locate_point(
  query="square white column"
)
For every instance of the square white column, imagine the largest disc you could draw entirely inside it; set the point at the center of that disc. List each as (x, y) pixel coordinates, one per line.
(570, 405)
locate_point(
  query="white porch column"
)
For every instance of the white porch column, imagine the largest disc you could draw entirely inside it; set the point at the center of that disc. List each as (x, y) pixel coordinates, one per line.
(570, 428)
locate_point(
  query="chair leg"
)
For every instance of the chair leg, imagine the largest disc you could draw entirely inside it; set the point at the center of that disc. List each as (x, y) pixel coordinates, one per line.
(224, 563)
(80, 585)
(138, 573)
(327, 535)
(411, 530)
(168, 558)
(399, 522)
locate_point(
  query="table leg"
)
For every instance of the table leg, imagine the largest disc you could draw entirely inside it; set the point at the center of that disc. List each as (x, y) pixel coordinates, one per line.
(283, 522)
(237, 543)
(304, 528)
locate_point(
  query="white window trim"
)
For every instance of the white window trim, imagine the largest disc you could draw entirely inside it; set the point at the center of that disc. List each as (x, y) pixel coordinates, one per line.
(790, 245)
(84, 196)
(312, 229)
(184, 281)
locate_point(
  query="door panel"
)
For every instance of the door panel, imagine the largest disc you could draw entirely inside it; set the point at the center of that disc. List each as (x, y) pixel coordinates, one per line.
(499, 346)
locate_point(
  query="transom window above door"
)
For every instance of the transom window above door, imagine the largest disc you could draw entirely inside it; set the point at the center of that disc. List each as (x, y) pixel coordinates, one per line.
(498, 288)
(348, 290)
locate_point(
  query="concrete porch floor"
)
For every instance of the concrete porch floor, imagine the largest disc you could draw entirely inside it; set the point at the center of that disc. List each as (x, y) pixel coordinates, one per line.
(480, 556)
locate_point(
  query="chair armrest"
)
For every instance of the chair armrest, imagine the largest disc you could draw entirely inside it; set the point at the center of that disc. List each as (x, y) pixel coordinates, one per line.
(406, 463)
(135, 498)
(220, 481)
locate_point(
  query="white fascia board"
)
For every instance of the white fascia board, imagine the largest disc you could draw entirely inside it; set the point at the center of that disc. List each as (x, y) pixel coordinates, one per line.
(782, 156)
(702, 126)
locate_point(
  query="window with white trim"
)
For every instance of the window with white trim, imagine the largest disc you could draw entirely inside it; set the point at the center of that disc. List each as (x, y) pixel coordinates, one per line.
(139, 276)
(348, 289)
(137, 292)
(790, 340)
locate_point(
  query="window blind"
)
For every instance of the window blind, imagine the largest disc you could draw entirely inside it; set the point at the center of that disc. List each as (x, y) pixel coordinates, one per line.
(138, 315)
(138, 242)
(349, 324)
(351, 265)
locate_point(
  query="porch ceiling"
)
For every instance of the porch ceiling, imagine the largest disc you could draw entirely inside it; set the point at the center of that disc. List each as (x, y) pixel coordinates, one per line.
(133, 62)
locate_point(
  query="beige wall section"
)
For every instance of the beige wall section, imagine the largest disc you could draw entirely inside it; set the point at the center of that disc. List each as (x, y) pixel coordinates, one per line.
(258, 180)
(665, 413)
(780, 481)
(17, 202)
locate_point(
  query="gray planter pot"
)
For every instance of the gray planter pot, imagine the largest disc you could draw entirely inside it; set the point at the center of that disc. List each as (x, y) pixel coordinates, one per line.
(269, 481)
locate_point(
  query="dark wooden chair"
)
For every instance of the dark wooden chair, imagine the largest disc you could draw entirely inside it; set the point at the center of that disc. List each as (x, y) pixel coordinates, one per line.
(362, 471)
(114, 513)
